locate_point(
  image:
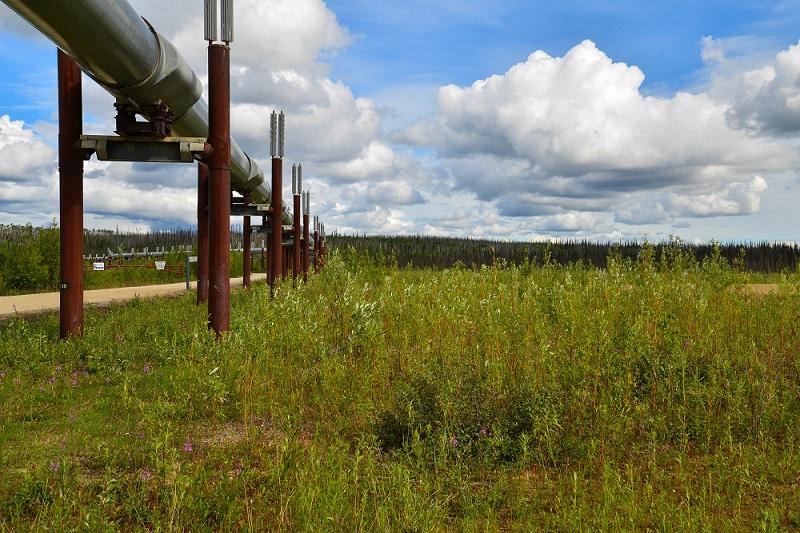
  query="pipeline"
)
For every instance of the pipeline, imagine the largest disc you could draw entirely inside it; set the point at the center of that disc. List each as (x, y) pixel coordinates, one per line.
(123, 53)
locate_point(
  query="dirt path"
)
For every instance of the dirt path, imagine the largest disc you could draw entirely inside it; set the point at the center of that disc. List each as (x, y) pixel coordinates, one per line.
(38, 303)
(763, 289)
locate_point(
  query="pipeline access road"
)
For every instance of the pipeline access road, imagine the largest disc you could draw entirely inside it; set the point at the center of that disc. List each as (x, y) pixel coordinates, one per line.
(28, 304)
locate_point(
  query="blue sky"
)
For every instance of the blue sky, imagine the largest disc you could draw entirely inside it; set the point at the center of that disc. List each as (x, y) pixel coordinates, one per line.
(440, 42)
(592, 139)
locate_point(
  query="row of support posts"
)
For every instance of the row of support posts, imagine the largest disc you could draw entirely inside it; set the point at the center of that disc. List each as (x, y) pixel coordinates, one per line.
(213, 196)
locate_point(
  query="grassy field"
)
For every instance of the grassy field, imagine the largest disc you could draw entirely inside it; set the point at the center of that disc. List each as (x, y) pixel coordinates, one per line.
(378, 399)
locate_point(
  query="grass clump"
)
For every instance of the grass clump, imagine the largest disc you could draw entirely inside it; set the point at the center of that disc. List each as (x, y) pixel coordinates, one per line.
(655, 394)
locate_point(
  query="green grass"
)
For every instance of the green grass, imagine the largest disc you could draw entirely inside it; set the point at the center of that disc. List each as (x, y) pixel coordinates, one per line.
(376, 399)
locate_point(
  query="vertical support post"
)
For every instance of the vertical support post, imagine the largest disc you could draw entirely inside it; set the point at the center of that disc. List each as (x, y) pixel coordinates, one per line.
(306, 236)
(188, 272)
(321, 245)
(219, 123)
(202, 233)
(316, 244)
(247, 257)
(276, 218)
(298, 187)
(70, 168)
(276, 247)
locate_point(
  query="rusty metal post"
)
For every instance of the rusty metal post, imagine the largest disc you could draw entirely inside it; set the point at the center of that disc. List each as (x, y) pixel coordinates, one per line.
(298, 189)
(322, 247)
(306, 247)
(247, 258)
(316, 246)
(70, 168)
(219, 136)
(202, 234)
(277, 147)
(276, 244)
(306, 231)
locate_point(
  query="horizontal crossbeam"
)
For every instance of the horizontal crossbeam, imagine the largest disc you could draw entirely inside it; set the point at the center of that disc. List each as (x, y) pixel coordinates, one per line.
(144, 149)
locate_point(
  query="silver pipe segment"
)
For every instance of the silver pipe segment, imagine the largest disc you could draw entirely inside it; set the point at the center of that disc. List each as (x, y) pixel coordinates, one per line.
(125, 55)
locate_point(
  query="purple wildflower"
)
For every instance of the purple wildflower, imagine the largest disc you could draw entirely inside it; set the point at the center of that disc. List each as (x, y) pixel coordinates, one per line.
(188, 447)
(52, 380)
(54, 466)
(147, 368)
(2, 376)
(236, 472)
(146, 474)
(453, 441)
(484, 432)
(74, 381)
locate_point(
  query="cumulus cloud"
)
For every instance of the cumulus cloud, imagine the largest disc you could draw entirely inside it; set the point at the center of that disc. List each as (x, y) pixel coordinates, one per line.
(765, 99)
(24, 159)
(576, 134)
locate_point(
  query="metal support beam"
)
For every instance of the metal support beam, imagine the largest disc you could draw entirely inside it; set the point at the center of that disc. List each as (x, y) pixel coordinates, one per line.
(249, 210)
(296, 247)
(247, 258)
(144, 149)
(306, 236)
(219, 290)
(70, 167)
(202, 234)
(306, 247)
(297, 188)
(316, 250)
(276, 246)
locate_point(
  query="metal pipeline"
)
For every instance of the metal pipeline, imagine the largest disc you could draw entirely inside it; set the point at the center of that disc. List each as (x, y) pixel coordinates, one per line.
(124, 54)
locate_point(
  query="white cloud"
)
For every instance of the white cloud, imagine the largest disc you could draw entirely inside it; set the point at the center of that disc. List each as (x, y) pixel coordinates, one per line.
(765, 99)
(24, 159)
(575, 133)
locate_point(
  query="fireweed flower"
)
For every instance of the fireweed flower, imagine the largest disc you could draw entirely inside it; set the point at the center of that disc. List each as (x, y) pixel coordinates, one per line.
(147, 368)
(453, 441)
(146, 474)
(54, 466)
(188, 447)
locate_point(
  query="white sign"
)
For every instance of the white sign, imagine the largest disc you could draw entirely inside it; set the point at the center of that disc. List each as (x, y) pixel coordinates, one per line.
(98, 267)
(193, 259)
(161, 265)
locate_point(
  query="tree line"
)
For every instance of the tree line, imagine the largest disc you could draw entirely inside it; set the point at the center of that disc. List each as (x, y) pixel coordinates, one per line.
(441, 252)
